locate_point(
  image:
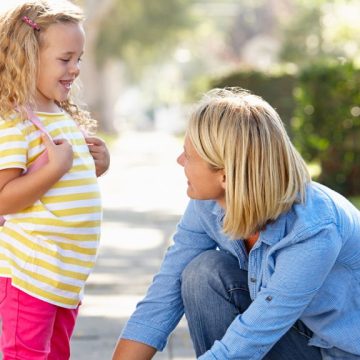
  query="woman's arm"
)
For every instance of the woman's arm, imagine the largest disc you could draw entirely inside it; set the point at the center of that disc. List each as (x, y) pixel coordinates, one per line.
(133, 350)
(162, 308)
(18, 192)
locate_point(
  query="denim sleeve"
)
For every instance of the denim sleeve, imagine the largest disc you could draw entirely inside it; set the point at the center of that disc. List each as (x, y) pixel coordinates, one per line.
(162, 308)
(298, 271)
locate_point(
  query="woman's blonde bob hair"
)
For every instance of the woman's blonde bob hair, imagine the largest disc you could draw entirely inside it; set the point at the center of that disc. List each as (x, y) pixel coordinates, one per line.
(242, 134)
(19, 53)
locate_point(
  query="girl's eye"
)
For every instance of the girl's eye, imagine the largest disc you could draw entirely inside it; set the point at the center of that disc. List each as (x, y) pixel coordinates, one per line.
(65, 60)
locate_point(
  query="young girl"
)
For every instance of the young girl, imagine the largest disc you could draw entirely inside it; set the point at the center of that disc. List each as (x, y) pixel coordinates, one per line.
(265, 263)
(49, 240)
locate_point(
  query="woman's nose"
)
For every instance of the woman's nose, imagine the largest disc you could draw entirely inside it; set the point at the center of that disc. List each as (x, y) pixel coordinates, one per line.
(180, 159)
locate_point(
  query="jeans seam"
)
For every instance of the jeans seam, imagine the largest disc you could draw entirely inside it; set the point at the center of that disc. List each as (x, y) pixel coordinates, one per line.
(232, 291)
(17, 322)
(4, 281)
(238, 288)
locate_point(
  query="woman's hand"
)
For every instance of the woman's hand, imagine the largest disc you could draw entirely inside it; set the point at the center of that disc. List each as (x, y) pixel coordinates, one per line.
(100, 154)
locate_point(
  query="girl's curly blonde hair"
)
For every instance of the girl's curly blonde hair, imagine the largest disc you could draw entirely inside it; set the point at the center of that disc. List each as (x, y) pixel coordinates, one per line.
(19, 55)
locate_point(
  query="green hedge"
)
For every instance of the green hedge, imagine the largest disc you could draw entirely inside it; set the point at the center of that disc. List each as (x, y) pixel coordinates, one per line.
(275, 89)
(326, 125)
(321, 110)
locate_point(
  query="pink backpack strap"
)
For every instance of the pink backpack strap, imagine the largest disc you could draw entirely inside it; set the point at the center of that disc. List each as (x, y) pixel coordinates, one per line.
(42, 159)
(36, 121)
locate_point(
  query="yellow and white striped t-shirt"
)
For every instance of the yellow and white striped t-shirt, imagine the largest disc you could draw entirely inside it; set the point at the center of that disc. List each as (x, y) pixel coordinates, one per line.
(49, 248)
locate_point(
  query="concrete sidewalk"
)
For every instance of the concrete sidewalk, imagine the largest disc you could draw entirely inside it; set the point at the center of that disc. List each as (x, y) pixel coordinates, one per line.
(144, 195)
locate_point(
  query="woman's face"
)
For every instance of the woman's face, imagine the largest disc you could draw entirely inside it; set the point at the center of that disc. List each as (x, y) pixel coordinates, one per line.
(204, 183)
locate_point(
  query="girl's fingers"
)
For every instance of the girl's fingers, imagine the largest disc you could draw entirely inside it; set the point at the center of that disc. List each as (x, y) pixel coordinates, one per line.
(93, 140)
(46, 140)
(59, 141)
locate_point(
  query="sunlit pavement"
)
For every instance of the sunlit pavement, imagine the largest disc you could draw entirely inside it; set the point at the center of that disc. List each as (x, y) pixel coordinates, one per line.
(143, 197)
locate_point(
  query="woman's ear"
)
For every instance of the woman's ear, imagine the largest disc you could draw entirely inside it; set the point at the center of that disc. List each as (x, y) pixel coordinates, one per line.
(223, 179)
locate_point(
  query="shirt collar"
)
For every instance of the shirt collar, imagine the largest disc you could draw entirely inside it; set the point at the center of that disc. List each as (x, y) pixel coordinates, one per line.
(274, 231)
(218, 211)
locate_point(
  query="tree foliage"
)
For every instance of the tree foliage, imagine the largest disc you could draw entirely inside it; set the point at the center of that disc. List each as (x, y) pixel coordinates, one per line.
(327, 123)
(323, 103)
(139, 30)
(321, 30)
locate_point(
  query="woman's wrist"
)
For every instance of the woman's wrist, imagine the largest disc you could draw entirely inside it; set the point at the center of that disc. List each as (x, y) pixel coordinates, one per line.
(133, 350)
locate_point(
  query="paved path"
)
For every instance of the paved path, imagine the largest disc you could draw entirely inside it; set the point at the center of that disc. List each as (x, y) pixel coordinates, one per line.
(143, 198)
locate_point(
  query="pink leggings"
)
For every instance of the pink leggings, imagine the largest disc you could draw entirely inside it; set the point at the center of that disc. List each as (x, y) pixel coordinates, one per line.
(33, 329)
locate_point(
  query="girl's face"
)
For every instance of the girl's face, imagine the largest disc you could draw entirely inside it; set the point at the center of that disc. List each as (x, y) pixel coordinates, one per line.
(204, 183)
(62, 46)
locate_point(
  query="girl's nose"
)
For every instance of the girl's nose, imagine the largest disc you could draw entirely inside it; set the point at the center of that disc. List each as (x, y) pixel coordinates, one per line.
(75, 69)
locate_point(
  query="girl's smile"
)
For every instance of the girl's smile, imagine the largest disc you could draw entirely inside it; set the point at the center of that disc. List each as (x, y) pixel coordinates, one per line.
(67, 84)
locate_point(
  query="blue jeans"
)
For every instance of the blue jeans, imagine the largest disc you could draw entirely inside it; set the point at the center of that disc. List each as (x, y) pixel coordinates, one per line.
(214, 291)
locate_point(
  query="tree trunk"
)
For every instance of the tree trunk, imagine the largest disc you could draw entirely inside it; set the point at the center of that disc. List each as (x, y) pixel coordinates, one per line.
(91, 75)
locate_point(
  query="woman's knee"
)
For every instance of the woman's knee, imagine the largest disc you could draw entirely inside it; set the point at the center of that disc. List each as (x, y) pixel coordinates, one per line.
(201, 267)
(207, 270)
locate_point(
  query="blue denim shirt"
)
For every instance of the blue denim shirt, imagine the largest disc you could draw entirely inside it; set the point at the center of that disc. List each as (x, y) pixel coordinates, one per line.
(305, 265)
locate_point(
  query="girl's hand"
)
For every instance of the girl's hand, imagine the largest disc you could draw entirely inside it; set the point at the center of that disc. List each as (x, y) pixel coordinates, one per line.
(100, 154)
(60, 154)
(19, 192)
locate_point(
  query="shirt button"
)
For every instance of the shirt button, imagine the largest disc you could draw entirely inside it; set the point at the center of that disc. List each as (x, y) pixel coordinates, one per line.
(269, 298)
(253, 279)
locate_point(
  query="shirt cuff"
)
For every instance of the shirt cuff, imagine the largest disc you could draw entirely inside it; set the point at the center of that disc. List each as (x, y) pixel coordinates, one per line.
(145, 334)
(207, 356)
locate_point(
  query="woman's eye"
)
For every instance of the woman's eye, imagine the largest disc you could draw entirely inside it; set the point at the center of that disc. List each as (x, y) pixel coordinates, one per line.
(65, 60)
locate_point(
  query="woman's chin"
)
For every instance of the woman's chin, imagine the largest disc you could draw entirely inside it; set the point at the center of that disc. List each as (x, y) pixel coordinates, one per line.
(190, 193)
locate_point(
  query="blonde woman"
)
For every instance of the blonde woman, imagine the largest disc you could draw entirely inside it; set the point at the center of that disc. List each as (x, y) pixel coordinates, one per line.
(265, 263)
